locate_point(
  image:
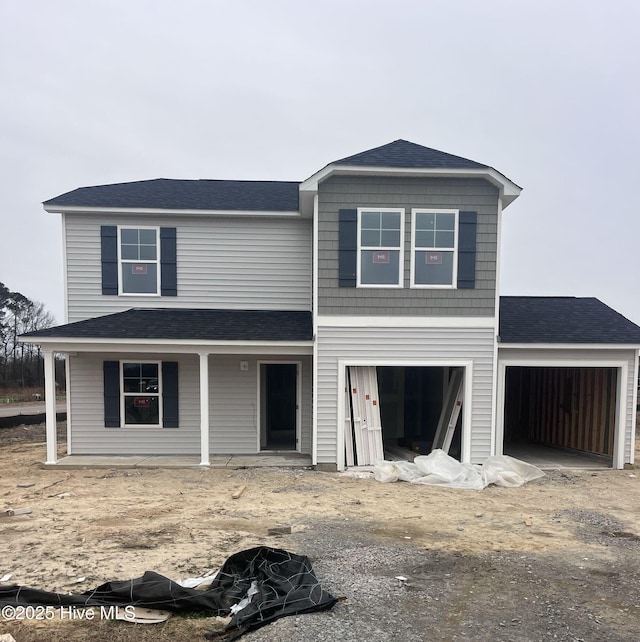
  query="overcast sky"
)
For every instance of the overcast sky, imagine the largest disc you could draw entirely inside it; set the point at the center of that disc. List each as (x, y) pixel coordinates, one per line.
(548, 93)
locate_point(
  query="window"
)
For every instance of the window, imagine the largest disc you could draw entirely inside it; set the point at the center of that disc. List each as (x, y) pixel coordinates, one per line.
(380, 244)
(138, 254)
(141, 394)
(434, 244)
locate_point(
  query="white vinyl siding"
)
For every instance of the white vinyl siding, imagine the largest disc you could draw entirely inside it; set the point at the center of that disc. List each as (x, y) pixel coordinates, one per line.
(403, 346)
(233, 406)
(232, 403)
(222, 262)
(89, 435)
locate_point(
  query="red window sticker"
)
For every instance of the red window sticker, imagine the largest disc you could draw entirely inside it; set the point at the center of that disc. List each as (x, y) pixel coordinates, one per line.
(142, 402)
(433, 258)
(139, 268)
(381, 257)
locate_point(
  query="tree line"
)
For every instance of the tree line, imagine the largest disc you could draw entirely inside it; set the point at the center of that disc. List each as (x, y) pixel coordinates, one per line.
(21, 364)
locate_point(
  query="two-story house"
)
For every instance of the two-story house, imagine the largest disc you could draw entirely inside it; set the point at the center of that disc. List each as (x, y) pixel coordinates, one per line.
(215, 317)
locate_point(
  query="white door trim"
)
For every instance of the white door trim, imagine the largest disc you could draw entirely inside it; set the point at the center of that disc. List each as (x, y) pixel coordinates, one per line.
(298, 365)
(467, 404)
(621, 395)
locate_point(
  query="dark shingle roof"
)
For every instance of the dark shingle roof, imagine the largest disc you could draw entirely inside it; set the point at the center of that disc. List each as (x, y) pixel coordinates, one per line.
(206, 325)
(534, 319)
(403, 153)
(165, 193)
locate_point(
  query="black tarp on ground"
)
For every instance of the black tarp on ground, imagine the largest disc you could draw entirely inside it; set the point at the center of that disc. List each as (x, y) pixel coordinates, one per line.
(285, 582)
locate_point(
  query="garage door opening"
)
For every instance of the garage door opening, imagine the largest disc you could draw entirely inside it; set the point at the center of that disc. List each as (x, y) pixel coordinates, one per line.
(556, 412)
(398, 412)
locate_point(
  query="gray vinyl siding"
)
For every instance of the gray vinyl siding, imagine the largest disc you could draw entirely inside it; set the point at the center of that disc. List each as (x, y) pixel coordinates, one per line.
(340, 192)
(404, 346)
(222, 262)
(232, 404)
(234, 408)
(587, 356)
(90, 437)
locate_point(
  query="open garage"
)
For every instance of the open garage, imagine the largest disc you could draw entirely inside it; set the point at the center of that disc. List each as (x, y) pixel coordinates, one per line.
(566, 385)
(570, 408)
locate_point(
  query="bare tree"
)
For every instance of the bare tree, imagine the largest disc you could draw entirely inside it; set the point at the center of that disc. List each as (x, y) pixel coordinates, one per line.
(20, 363)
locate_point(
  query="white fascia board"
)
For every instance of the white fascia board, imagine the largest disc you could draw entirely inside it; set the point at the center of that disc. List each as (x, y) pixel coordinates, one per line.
(509, 191)
(348, 321)
(145, 211)
(568, 346)
(173, 346)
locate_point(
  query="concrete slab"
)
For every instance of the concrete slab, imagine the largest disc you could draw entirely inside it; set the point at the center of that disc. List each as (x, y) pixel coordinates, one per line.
(97, 461)
(293, 460)
(169, 461)
(557, 459)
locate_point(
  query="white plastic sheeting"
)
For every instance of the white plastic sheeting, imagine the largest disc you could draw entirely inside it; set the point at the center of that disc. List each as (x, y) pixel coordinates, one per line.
(439, 469)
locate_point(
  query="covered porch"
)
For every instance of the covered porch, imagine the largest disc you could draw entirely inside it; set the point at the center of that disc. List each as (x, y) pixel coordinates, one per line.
(208, 391)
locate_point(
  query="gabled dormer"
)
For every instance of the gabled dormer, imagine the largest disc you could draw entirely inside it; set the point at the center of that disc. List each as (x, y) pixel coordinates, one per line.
(407, 230)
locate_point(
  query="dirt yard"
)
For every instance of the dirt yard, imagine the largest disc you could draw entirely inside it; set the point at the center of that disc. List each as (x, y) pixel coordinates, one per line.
(557, 559)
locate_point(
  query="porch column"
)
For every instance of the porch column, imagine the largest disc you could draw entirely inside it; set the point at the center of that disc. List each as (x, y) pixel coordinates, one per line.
(50, 407)
(204, 408)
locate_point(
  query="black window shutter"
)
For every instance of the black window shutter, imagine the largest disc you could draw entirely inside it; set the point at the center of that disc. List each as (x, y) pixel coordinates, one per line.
(111, 394)
(169, 394)
(347, 248)
(467, 222)
(109, 256)
(168, 270)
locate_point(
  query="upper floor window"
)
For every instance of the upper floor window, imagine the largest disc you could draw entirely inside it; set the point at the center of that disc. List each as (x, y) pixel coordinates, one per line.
(138, 255)
(434, 242)
(380, 247)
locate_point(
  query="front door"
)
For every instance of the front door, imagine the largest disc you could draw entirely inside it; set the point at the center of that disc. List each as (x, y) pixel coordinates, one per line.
(278, 406)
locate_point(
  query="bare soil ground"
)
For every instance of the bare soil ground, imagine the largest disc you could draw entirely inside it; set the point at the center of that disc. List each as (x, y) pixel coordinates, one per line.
(557, 559)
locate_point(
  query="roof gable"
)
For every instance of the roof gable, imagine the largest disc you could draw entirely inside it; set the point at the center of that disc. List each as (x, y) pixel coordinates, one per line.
(403, 153)
(563, 320)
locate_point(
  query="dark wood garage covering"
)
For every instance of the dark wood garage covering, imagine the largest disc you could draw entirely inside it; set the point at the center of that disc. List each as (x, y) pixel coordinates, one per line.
(562, 407)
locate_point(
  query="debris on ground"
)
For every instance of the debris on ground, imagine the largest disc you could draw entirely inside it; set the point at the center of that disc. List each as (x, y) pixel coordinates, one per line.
(256, 587)
(12, 512)
(439, 469)
(236, 494)
(279, 530)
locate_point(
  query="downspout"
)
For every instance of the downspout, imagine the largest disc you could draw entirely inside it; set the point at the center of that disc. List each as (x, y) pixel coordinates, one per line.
(496, 448)
(314, 315)
(634, 408)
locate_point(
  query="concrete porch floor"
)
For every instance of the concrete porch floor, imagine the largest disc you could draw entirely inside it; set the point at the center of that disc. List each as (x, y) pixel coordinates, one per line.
(276, 460)
(556, 459)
